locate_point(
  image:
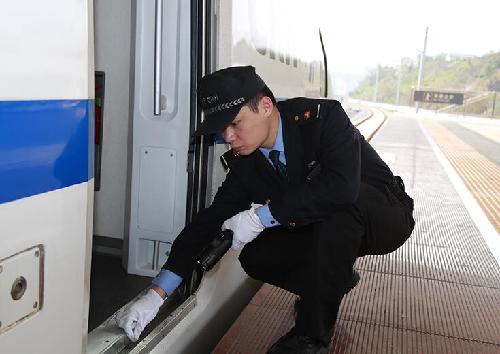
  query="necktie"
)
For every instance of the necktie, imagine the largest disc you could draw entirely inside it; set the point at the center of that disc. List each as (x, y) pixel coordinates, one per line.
(274, 156)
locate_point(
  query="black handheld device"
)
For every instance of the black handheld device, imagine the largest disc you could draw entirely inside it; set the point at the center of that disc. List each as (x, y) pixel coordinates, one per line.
(215, 250)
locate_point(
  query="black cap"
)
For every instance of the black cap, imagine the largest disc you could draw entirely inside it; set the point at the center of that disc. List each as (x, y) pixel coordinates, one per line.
(222, 93)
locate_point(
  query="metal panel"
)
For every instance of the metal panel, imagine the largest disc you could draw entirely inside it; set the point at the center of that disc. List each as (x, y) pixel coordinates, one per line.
(21, 287)
(157, 189)
(160, 143)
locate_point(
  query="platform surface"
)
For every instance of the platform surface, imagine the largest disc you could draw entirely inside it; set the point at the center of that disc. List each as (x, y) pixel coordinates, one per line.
(440, 292)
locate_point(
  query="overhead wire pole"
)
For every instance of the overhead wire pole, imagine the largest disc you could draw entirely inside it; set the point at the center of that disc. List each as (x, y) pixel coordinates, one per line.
(376, 84)
(421, 66)
(399, 82)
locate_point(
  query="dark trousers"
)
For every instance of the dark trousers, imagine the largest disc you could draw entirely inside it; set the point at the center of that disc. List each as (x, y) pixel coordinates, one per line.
(316, 261)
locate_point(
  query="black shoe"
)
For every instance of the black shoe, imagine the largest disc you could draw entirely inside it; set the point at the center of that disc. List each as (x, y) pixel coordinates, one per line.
(354, 281)
(292, 343)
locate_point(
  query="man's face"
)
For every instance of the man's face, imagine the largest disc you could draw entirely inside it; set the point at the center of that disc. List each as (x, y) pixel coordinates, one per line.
(248, 130)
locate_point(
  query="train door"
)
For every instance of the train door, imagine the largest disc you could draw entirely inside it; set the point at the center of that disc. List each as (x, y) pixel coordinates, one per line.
(143, 51)
(46, 174)
(160, 132)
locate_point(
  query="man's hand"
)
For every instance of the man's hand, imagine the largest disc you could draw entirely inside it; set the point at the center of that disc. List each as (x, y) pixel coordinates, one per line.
(245, 226)
(137, 316)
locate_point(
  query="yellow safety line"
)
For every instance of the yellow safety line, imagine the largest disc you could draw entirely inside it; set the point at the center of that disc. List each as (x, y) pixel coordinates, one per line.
(480, 175)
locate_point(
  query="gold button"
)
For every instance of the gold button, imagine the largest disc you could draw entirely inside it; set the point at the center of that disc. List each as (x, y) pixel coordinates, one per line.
(296, 118)
(291, 224)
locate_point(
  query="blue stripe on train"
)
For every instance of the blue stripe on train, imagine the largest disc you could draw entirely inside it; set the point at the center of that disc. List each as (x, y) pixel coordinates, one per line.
(44, 146)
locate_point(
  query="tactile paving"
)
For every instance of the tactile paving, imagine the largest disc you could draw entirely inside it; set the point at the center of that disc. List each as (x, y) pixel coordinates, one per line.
(480, 175)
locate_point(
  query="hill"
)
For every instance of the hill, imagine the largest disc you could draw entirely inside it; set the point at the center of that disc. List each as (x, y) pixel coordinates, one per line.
(473, 76)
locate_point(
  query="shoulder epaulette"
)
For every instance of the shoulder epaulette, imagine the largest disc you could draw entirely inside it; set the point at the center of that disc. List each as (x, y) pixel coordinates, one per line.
(306, 113)
(228, 158)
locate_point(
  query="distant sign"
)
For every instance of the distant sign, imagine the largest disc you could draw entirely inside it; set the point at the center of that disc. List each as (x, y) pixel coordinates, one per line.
(438, 97)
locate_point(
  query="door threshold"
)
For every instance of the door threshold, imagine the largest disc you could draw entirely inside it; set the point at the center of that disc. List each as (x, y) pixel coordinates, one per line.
(108, 338)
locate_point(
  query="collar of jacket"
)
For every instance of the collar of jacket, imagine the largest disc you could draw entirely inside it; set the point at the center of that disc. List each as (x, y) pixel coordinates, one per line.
(278, 144)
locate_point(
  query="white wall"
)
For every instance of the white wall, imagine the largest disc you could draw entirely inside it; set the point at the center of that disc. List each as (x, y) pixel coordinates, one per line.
(112, 55)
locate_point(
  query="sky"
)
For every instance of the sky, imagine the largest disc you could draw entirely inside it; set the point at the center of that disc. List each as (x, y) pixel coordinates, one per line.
(360, 34)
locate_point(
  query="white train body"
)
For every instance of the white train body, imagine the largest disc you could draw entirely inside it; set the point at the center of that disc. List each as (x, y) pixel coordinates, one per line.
(148, 176)
(46, 177)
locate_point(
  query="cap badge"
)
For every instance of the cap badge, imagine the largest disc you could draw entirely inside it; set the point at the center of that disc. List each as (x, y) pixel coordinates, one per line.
(307, 115)
(209, 99)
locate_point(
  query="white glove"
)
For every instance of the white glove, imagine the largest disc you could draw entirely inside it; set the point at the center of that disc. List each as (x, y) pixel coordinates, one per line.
(136, 317)
(245, 225)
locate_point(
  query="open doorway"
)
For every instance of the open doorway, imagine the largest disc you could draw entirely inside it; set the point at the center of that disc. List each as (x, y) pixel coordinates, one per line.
(111, 286)
(145, 194)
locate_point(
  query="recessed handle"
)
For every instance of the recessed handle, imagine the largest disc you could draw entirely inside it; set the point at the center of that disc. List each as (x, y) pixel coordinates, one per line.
(157, 60)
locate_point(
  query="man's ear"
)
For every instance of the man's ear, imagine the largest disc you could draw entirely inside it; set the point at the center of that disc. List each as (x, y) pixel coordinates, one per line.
(267, 105)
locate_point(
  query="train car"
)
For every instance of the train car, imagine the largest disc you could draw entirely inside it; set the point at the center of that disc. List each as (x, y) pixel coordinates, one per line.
(97, 108)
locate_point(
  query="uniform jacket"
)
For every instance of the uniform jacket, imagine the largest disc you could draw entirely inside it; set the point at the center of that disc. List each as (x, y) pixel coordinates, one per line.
(327, 159)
